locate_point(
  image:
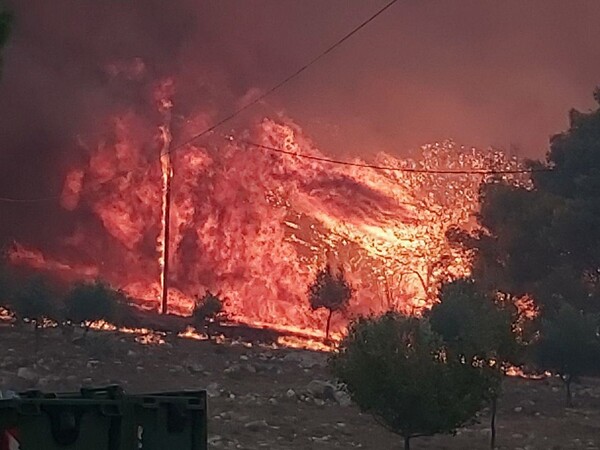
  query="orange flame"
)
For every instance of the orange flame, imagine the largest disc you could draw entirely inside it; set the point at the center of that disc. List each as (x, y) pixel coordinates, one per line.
(256, 226)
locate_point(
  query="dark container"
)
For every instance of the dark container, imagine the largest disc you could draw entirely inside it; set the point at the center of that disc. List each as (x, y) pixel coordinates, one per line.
(106, 419)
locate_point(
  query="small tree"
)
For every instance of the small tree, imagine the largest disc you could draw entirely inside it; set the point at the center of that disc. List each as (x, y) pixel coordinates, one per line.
(477, 329)
(206, 310)
(87, 303)
(330, 291)
(34, 300)
(396, 368)
(568, 345)
(5, 26)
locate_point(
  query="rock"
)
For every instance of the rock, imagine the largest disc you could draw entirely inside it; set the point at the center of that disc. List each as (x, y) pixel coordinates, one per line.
(321, 389)
(195, 367)
(342, 398)
(26, 373)
(306, 360)
(267, 368)
(518, 409)
(92, 364)
(290, 393)
(131, 354)
(212, 390)
(256, 425)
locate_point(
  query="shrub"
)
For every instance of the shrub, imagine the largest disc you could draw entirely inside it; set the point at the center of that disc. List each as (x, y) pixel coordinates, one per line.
(330, 291)
(90, 302)
(568, 345)
(207, 309)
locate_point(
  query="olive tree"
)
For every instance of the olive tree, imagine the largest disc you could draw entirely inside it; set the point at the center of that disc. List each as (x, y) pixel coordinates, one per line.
(396, 368)
(330, 291)
(568, 345)
(477, 328)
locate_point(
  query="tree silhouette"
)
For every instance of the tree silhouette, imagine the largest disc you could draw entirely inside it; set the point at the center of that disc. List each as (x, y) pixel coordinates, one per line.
(568, 345)
(475, 327)
(5, 26)
(395, 368)
(206, 310)
(330, 291)
(90, 302)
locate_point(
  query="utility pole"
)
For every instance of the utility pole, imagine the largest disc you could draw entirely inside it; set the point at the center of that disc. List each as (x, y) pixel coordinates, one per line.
(167, 174)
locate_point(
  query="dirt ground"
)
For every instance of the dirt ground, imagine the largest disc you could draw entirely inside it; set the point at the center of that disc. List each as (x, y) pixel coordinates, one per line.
(265, 397)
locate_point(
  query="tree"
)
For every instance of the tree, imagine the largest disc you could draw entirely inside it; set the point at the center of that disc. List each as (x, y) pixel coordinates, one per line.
(476, 328)
(34, 300)
(5, 26)
(87, 303)
(396, 368)
(543, 239)
(568, 345)
(206, 310)
(330, 291)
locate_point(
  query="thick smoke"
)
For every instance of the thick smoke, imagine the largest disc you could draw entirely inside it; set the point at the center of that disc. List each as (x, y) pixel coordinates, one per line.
(484, 73)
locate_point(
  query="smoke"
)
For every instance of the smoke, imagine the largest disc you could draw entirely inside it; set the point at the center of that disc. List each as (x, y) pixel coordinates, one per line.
(484, 73)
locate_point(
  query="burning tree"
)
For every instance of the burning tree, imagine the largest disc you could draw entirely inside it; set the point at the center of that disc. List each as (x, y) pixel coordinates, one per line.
(395, 368)
(330, 291)
(475, 328)
(87, 303)
(206, 310)
(569, 345)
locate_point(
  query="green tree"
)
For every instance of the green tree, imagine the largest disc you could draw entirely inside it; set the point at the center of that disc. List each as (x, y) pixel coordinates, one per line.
(476, 328)
(396, 368)
(34, 300)
(544, 239)
(87, 303)
(330, 291)
(568, 345)
(5, 26)
(207, 309)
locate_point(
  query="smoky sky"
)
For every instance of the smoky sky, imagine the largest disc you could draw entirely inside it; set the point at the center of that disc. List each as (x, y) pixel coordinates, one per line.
(499, 73)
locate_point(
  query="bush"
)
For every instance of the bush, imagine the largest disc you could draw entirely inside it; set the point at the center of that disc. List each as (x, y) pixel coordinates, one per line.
(34, 300)
(330, 291)
(90, 302)
(396, 368)
(206, 310)
(568, 345)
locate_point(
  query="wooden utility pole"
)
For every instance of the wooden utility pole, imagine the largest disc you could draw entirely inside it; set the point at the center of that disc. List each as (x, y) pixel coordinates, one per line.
(167, 219)
(167, 174)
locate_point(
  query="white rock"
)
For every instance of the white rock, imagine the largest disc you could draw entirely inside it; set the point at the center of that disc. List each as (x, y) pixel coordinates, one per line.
(26, 373)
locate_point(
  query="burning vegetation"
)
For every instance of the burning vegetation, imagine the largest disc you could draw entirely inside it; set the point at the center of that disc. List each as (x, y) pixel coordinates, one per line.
(258, 225)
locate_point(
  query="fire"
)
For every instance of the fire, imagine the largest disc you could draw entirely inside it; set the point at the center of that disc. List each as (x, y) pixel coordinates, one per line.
(255, 226)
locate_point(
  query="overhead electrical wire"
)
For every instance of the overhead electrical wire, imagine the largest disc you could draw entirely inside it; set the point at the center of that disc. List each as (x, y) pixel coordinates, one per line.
(396, 168)
(282, 82)
(240, 110)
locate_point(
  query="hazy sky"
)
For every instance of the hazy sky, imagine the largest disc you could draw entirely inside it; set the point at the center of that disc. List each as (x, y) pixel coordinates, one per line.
(481, 72)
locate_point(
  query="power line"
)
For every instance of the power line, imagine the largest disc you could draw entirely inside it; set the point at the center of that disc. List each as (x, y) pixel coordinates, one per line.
(398, 169)
(238, 111)
(284, 81)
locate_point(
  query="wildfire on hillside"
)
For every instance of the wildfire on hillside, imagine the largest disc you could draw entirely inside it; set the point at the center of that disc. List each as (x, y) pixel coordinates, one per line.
(254, 225)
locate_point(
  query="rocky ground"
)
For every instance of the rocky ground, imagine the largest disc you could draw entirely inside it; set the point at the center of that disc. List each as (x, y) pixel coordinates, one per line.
(265, 397)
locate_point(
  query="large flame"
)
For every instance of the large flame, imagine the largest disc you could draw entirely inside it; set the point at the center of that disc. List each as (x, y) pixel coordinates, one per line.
(255, 226)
